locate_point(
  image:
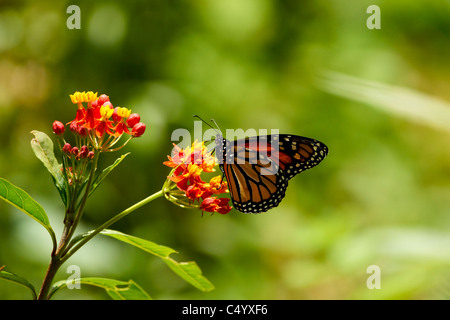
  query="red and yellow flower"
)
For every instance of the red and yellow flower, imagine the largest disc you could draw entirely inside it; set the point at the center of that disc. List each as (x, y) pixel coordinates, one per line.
(100, 122)
(185, 186)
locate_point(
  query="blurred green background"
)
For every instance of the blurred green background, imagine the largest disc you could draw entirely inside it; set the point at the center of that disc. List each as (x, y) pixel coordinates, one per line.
(381, 197)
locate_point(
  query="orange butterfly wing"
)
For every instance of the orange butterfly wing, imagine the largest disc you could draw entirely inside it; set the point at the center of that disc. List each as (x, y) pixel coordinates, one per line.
(257, 169)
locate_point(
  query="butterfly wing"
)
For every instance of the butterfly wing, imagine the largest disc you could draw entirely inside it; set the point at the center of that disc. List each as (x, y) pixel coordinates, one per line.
(298, 153)
(257, 169)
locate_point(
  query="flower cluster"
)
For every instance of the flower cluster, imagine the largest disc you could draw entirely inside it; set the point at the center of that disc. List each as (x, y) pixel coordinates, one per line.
(185, 181)
(100, 122)
(97, 127)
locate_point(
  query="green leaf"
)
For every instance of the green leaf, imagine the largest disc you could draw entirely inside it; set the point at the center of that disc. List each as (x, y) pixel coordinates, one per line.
(189, 271)
(105, 172)
(18, 280)
(118, 290)
(42, 146)
(24, 202)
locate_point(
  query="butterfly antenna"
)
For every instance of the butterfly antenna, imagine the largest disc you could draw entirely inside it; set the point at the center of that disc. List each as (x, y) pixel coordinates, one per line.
(215, 123)
(209, 125)
(196, 116)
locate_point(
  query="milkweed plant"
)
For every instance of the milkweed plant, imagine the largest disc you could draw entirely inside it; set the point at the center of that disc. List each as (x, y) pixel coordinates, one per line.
(76, 169)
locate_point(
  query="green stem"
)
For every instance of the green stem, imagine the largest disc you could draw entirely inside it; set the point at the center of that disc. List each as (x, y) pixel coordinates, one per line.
(69, 229)
(72, 249)
(53, 267)
(73, 226)
(61, 257)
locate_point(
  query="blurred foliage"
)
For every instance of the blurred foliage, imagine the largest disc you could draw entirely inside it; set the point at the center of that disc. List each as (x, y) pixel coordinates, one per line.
(381, 197)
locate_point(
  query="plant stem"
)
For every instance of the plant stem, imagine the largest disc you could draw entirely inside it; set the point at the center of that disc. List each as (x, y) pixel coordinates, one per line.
(73, 225)
(61, 257)
(71, 250)
(69, 229)
(53, 267)
(66, 248)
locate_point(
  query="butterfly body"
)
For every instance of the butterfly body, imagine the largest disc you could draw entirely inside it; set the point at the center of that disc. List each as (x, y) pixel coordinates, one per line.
(257, 169)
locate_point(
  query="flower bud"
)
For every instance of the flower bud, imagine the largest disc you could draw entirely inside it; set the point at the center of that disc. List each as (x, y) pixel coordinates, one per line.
(115, 116)
(138, 130)
(67, 148)
(82, 131)
(58, 128)
(102, 99)
(74, 151)
(73, 127)
(84, 152)
(95, 104)
(133, 119)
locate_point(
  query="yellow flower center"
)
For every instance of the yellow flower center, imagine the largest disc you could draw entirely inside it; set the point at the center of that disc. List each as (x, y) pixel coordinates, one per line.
(80, 97)
(123, 112)
(106, 112)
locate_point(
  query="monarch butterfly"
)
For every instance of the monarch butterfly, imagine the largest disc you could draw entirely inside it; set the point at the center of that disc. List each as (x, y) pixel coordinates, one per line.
(257, 169)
